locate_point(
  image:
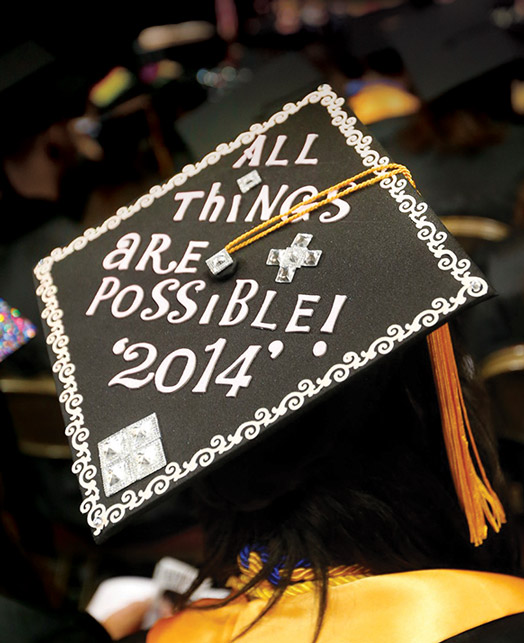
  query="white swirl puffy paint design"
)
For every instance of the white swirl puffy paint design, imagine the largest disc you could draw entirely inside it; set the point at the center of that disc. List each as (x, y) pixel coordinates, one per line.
(99, 515)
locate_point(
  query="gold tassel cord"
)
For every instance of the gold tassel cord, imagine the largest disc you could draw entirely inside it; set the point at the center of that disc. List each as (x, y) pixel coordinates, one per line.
(475, 494)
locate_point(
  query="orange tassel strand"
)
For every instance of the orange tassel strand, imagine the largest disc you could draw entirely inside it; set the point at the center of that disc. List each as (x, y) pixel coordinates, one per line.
(475, 494)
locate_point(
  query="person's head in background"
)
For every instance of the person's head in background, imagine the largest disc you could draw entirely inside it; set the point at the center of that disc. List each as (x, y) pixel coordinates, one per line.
(40, 96)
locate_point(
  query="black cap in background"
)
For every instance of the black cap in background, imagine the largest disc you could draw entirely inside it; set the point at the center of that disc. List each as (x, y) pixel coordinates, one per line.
(447, 45)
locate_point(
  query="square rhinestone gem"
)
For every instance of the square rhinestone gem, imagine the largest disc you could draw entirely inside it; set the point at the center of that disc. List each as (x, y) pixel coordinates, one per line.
(118, 476)
(112, 448)
(294, 256)
(144, 431)
(248, 181)
(302, 240)
(219, 261)
(285, 275)
(312, 258)
(149, 459)
(273, 258)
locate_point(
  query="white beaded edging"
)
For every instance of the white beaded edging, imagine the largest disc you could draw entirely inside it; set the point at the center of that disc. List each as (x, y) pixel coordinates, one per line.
(99, 515)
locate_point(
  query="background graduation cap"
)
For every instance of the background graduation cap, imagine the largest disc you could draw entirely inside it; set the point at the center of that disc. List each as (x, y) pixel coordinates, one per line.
(164, 369)
(268, 86)
(446, 45)
(36, 90)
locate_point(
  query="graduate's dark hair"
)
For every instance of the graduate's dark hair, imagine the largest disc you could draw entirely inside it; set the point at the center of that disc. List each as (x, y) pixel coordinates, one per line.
(362, 478)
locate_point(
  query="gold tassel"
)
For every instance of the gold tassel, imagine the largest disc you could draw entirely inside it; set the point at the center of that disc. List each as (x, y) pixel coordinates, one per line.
(475, 494)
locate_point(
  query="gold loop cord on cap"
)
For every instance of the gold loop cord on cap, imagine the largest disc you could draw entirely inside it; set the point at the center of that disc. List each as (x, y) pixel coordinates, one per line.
(280, 220)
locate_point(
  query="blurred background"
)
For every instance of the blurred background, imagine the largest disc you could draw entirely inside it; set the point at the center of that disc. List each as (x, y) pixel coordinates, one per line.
(95, 108)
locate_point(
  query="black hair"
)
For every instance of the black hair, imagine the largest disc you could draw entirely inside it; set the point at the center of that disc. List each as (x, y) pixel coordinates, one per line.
(361, 479)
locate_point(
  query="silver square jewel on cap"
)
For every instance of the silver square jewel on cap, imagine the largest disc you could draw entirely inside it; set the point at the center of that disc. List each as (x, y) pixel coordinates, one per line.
(148, 458)
(131, 454)
(248, 181)
(219, 261)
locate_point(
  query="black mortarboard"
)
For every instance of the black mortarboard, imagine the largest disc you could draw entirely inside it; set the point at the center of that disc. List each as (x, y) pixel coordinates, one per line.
(447, 45)
(163, 369)
(30, 74)
(256, 93)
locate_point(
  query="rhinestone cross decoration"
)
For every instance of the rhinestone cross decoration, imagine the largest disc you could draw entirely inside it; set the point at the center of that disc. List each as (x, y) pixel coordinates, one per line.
(293, 257)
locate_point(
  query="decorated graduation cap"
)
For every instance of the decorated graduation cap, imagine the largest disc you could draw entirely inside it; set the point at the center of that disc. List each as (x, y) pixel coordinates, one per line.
(245, 289)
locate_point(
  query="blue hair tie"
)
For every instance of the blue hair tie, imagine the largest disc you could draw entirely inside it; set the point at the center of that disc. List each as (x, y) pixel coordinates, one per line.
(274, 577)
